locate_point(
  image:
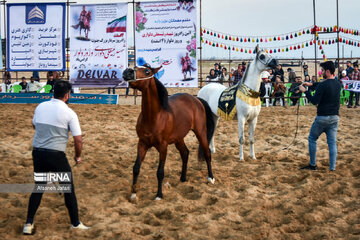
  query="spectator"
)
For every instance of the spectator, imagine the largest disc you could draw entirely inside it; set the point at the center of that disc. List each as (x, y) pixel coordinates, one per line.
(51, 81)
(279, 91)
(343, 75)
(243, 67)
(237, 75)
(306, 69)
(264, 87)
(295, 92)
(271, 72)
(356, 77)
(224, 77)
(291, 75)
(7, 78)
(327, 99)
(32, 86)
(212, 77)
(348, 69)
(23, 84)
(55, 75)
(307, 78)
(217, 68)
(36, 76)
(278, 71)
(313, 79)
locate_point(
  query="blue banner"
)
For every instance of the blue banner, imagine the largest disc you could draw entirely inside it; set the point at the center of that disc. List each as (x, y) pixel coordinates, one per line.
(75, 98)
(35, 37)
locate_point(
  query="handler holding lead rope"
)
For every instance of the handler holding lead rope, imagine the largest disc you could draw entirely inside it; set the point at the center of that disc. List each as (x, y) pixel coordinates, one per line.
(327, 99)
(52, 121)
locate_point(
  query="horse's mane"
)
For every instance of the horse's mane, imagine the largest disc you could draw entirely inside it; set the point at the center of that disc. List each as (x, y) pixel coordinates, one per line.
(246, 73)
(163, 95)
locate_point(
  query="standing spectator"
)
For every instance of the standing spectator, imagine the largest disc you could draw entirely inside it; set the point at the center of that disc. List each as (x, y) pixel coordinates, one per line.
(237, 75)
(224, 77)
(23, 84)
(52, 121)
(36, 76)
(51, 81)
(55, 75)
(348, 69)
(291, 75)
(265, 87)
(243, 67)
(217, 68)
(295, 92)
(327, 99)
(306, 69)
(278, 71)
(7, 80)
(212, 77)
(32, 86)
(279, 91)
(307, 78)
(356, 77)
(343, 75)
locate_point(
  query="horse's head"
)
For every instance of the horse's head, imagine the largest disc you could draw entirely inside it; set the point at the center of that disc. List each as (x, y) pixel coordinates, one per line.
(140, 76)
(264, 60)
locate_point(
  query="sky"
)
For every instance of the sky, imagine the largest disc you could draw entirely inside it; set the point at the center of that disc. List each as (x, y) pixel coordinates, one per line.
(265, 18)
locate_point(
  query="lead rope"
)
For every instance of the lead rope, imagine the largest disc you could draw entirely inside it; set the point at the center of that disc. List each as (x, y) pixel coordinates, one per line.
(297, 126)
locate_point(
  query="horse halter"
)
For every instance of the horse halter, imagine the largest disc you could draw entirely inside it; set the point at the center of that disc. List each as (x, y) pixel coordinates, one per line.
(140, 79)
(263, 61)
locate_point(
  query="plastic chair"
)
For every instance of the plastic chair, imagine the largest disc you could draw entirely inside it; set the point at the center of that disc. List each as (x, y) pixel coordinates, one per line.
(47, 88)
(344, 99)
(15, 89)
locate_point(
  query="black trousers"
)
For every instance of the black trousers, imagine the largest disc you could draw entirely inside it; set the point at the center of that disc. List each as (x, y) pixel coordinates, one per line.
(351, 98)
(52, 161)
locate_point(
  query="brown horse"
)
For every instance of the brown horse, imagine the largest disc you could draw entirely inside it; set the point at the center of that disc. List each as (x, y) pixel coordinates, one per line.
(167, 120)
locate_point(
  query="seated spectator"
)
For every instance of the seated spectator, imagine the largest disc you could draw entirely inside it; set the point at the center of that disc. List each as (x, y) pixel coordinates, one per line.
(51, 81)
(279, 91)
(224, 77)
(291, 75)
(212, 77)
(307, 78)
(278, 71)
(32, 86)
(23, 84)
(295, 92)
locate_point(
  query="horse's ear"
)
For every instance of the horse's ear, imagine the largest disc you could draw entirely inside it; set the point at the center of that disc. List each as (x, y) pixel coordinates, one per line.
(257, 49)
(155, 70)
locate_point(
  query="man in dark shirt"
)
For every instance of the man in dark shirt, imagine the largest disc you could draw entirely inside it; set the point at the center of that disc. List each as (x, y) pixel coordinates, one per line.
(23, 84)
(327, 99)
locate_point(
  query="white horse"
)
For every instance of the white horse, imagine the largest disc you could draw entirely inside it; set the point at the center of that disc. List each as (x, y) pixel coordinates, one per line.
(246, 111)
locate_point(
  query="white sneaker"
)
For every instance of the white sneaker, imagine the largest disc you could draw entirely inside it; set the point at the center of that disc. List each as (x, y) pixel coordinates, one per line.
(80, 226)
(28, 229)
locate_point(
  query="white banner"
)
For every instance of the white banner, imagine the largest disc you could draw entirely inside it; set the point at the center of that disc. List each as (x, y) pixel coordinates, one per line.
(166, 36)
(36, 37)
(351, 85)
(98, 49)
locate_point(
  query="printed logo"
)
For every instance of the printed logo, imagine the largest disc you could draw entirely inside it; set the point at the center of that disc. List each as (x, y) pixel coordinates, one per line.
(36, 14)
(52, 177)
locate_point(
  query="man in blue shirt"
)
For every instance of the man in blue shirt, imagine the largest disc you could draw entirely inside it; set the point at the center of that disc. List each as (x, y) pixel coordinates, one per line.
(327, 99)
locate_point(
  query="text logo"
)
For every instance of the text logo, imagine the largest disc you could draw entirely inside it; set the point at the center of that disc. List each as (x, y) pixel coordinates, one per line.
(35, 14)
(52, 177)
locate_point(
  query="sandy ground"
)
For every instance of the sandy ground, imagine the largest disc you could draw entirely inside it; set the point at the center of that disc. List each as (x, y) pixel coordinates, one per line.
(266, 198)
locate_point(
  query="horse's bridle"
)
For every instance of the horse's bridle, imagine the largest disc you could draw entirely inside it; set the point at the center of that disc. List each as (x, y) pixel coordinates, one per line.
(264, 62)
(140, 79)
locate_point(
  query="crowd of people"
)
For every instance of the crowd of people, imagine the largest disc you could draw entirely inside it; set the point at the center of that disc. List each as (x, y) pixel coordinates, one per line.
(275, 89)
(34, 85)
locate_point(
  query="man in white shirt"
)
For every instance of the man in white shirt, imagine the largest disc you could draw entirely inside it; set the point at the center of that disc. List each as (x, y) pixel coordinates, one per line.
(52, 121)
(33, 86)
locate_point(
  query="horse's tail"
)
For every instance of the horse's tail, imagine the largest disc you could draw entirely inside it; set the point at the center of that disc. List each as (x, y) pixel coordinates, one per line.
(210, 128)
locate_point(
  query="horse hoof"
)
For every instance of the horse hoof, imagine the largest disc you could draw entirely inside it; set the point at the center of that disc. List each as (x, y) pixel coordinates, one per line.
(211, 180)
(157, 198)
(212, 150)
(133, 198)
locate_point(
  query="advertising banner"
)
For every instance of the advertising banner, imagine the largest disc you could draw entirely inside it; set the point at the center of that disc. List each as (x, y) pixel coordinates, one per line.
(351, 85)
(35, 37)
(166, 36)
(98, 49)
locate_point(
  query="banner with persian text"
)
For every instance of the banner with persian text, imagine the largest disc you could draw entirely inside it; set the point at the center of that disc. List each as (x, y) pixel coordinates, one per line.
(35, 37)
(351, 85)
(98, 50)
(165, 35)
